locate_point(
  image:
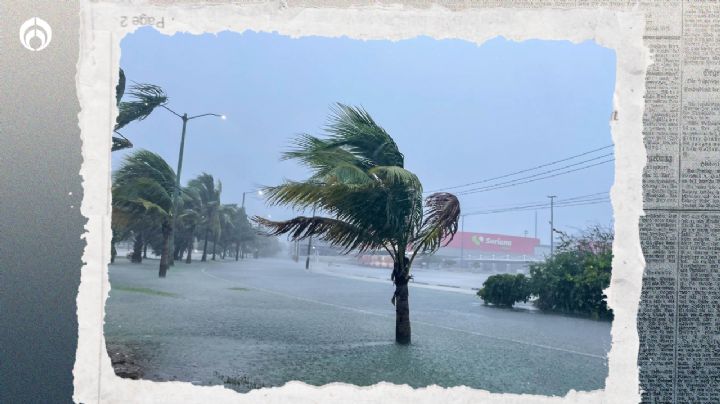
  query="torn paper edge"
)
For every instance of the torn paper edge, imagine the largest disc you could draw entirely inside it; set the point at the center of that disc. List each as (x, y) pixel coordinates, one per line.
(101, 33)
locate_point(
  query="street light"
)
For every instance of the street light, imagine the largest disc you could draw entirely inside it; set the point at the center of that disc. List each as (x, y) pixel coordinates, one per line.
(259, 192)
(176, 195)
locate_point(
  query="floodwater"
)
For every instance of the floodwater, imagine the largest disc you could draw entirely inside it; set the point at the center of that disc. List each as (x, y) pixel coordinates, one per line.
(264, 322)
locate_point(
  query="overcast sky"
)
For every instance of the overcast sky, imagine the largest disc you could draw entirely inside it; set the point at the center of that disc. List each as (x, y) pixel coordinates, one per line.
(460, 113)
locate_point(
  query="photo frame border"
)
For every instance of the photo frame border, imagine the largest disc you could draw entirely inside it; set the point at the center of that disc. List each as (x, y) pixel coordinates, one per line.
(101, 33)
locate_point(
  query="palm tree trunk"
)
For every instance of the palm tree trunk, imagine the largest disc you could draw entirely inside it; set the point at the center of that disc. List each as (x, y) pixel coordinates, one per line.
(401, 277)
(137, 256)
(237, 250)
(144, 250)
(204, 256)
(191, 245)
(172, 254)
(214, 245)
(164, 256)
(402, 315)
(113, 252)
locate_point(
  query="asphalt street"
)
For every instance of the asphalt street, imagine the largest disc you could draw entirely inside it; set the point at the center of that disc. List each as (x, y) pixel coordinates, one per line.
(264, 322)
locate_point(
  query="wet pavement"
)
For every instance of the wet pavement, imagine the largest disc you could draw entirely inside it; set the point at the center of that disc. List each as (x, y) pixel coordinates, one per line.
(264, 322)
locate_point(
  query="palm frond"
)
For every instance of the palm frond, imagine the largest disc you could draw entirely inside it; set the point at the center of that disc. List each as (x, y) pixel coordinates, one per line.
(336, 232)
(145, 164)
(120, 142)
(440, 222)
(394, 175)
(146, 97)
(120, 87)
(354, 129)
(321, 155)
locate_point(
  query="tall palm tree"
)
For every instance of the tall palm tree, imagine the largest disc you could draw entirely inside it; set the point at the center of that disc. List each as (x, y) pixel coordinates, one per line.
(209, 194)
(143, 189)
(372, 202)
(189, 217)
(225, 223)
(235, 229)
(145, 98)
(243, 232)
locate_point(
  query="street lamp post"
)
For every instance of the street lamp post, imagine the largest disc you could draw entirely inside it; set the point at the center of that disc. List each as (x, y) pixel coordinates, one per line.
(259, 192)
(176, 193)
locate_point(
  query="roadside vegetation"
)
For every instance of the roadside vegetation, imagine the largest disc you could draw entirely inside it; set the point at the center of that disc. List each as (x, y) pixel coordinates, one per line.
(142, 212)
(571, 281)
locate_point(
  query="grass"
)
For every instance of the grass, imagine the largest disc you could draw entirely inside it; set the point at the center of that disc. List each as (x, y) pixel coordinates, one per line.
(146, 291)
(240, 289)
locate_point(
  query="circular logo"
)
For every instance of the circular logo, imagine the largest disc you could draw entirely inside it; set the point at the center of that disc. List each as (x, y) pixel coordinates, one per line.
(35, 34)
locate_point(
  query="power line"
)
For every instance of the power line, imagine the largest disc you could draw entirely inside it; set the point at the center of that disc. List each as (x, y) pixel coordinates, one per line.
(541, 207)
(523, 171)
(539, 203)
(495, 187)
(530, 205)
(537, 174)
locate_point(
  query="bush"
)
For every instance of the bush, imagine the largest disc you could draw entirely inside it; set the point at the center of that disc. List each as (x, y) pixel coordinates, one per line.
(505, 290)
(573, 280)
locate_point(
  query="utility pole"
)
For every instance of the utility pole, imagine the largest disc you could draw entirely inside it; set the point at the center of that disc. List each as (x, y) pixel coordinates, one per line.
(307, 260)
(535, 223)
(462, 243)
(552, 224)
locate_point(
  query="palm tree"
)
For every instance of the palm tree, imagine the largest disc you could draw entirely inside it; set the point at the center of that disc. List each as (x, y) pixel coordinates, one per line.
(243, 232)
(143, 189)
(189, 217)
(209, 194)
(225, 222)
(235, 229)
(146, 97)
(372, 202)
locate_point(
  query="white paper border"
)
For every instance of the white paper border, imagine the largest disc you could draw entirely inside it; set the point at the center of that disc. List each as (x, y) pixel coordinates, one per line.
(94, 378)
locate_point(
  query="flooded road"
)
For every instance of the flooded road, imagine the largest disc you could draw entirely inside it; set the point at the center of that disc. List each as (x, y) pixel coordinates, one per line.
(264, 322)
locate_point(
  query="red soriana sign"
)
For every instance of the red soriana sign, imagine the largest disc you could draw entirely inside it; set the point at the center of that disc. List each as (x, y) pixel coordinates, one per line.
(494, 243)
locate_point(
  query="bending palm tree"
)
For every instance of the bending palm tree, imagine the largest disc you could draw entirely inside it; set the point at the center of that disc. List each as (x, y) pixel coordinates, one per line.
(189, 216)
(373, 202)
(209, 194)
(142, 190)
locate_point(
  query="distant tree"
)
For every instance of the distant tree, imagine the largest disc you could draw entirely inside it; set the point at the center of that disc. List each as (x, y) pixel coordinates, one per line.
(189, 218)
(209, 193)
(573, 279)
(505, 290)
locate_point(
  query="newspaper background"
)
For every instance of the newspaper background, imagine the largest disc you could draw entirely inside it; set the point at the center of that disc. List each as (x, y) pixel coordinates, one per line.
(679, 341)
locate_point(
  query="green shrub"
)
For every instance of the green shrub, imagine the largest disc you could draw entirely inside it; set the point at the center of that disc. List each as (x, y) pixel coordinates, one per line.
(505, 290)
(573, 280)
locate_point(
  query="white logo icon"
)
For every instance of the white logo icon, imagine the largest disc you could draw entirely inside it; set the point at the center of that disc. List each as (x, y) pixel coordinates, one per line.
(35, 34)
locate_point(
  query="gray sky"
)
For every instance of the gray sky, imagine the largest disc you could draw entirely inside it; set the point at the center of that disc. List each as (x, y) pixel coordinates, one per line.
(460, 113)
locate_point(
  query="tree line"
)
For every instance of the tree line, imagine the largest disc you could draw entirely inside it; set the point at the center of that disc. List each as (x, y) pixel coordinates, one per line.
(142, 195)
